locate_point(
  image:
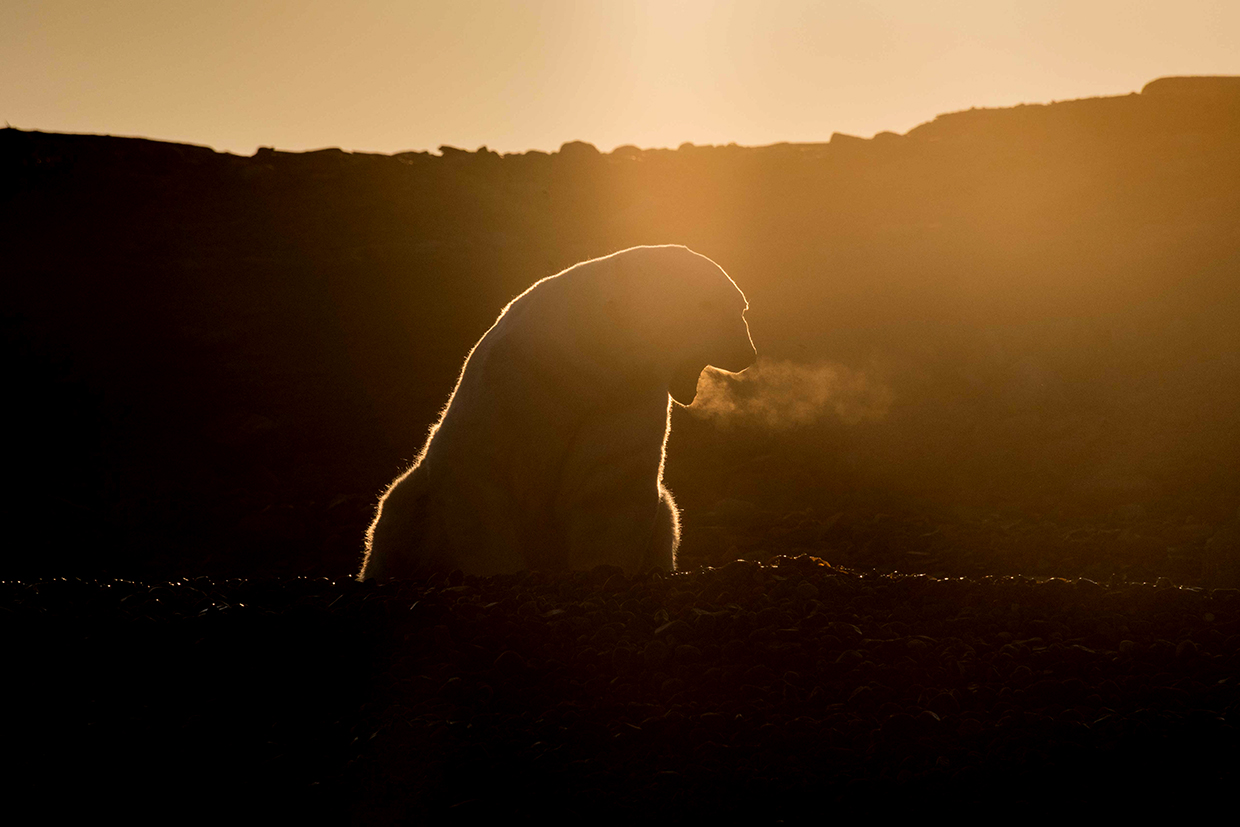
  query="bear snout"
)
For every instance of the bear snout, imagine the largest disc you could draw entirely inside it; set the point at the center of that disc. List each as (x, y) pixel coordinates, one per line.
(683, 383)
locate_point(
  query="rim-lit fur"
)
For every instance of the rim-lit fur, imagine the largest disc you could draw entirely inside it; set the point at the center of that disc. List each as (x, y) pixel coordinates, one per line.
(550, 451)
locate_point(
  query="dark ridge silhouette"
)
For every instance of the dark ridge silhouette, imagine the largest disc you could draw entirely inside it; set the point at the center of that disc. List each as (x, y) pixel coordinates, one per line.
(1203, 86)
(217, 362)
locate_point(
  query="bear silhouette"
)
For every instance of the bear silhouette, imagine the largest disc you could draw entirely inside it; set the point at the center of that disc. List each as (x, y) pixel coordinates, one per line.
(550, 451)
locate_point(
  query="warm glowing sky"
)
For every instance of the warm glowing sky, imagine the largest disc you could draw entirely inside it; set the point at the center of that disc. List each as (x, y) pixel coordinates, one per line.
(384, 75)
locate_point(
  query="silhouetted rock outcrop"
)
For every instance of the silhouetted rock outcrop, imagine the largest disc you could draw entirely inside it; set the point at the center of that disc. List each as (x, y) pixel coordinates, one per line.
(1200, 86)
(579, 151)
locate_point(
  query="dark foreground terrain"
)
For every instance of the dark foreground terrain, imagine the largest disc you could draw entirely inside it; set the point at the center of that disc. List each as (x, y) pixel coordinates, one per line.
(793, 691)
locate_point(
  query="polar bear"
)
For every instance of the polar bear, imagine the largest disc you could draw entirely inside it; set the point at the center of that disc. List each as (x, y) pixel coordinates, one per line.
(550, 451)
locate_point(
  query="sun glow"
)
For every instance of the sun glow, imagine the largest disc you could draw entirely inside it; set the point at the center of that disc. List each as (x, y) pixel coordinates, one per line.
(386, 76)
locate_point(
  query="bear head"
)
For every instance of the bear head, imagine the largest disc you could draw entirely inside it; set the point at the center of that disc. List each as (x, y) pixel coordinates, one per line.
(678, 313)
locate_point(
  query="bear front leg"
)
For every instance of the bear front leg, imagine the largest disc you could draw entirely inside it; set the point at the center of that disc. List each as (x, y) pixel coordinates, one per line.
(611, 506)
(661, 553)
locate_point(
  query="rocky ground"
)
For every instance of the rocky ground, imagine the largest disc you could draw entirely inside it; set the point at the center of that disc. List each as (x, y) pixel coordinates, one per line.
(787, 691)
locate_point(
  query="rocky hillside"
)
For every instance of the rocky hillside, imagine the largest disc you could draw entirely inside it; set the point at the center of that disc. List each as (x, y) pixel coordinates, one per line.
(1004, 342)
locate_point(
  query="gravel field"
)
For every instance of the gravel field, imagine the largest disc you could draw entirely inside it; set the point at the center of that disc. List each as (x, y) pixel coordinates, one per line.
(791, 691)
